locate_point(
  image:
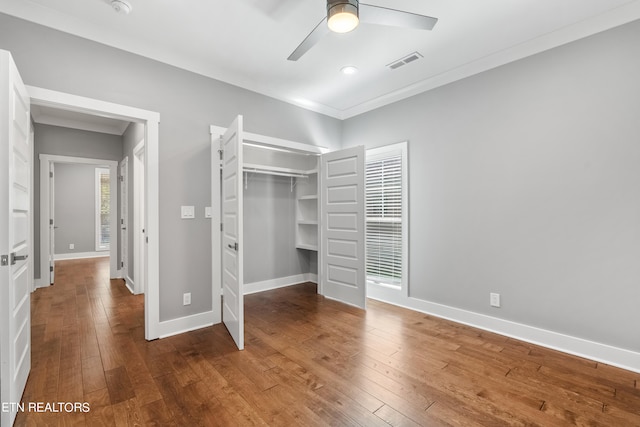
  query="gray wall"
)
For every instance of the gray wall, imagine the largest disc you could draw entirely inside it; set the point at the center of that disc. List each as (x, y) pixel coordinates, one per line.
(188, 104)
(66, 142)
(269, 230)
(525, 180)
(75, 208)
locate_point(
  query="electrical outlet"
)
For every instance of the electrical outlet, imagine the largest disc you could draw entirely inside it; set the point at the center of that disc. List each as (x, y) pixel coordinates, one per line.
(72, 246)
(494, 300)
(186, 298)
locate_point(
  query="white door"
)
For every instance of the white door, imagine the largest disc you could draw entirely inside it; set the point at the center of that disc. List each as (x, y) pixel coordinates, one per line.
(124, 212)
(52, 222)
(232, 259)
(232, 265)
(15, 216)
(342, 258)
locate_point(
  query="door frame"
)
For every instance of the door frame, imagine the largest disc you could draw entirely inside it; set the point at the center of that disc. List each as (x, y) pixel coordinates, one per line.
(151, 120)
(138, 218)
(45, 209)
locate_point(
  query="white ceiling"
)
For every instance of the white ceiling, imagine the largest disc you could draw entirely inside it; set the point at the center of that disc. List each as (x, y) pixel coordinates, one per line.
(247, 42)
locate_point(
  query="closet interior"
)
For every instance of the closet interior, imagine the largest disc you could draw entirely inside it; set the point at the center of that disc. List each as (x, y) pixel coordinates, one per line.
(280, 214)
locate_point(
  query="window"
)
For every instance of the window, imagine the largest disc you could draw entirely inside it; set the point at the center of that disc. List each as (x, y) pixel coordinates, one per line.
(103, 208)
(386, 216)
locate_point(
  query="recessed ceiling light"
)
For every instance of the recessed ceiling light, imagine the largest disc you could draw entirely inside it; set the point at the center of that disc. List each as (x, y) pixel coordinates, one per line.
(349, 69)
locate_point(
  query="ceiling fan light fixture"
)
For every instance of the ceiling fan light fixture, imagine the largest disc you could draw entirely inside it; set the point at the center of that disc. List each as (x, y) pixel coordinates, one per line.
(342, 15)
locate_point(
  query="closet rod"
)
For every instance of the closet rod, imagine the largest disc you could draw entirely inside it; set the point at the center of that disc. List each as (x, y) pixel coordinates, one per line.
(268, 172)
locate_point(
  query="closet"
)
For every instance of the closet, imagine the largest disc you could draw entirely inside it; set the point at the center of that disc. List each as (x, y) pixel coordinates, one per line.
(328, 219)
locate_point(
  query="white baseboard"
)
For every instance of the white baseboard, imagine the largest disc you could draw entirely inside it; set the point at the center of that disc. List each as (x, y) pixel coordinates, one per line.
(185, 324)
(41, 283)
(129, 284)
(203, 320)
(619, 357)
(281, 282)
(80, 255)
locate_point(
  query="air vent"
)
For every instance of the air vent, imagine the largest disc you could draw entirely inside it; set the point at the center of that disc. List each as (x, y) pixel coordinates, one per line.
(404, 61)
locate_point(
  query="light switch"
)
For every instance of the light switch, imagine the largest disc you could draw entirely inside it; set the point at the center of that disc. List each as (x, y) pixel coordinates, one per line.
(187, 212)
(208, 213)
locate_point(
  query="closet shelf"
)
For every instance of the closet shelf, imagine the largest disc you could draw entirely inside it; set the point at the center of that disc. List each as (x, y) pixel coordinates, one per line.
(307, 247)
(309, 197)
(274, 170)
(307, 222)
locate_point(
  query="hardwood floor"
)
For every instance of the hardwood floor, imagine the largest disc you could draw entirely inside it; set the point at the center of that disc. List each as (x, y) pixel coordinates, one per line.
(308, 361)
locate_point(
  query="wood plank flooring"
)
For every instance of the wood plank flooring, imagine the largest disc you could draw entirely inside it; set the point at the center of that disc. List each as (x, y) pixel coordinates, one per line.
(308, 361)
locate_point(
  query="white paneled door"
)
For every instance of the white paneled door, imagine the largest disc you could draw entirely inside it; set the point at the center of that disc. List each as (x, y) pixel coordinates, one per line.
(52, 224)
(15, 216)
(232, 260)
(343, 235)
(124, 218)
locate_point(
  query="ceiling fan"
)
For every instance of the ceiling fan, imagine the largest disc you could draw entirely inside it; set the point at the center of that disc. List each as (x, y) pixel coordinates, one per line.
(344, 16)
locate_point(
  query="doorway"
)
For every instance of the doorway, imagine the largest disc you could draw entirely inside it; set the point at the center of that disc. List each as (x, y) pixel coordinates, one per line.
(150, 120)
(338, 230)
(48, 220)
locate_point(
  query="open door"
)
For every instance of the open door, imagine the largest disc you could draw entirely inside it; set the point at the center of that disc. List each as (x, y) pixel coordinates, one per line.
(52, 226)
(232, 260)
(342, 257)
(15, 217)
(124, 218)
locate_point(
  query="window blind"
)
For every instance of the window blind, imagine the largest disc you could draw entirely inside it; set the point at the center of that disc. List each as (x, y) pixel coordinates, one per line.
(384, 219)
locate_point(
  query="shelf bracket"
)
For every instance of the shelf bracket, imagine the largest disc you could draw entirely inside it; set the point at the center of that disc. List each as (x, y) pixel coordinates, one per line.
(294, 182)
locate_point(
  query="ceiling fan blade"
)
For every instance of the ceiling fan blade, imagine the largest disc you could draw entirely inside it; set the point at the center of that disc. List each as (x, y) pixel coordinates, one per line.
(314, 37)
(274, 8)
(395, 18)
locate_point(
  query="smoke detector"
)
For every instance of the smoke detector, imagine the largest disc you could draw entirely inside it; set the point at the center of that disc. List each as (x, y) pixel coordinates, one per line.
(121, 6)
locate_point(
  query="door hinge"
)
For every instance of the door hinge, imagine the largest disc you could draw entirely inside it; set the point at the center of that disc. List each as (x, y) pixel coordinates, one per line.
(4, 260)
(50, 222)
(121, 178)
(50, 174)
(121, 221)
(15, 258)
(221, 227)
(121, 264)
(51, 268)
(221, 152)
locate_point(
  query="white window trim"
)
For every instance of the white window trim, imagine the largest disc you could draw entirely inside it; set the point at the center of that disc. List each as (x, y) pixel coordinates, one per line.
(392, 293)
(99, 171)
